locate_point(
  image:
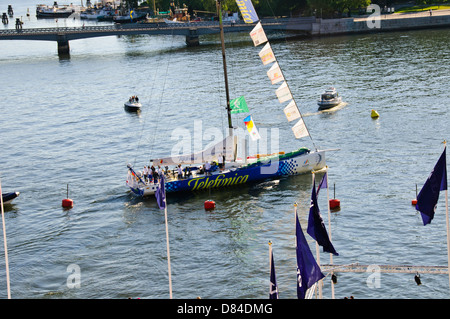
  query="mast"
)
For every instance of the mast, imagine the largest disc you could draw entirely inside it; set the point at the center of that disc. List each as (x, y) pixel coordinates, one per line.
(222, 39)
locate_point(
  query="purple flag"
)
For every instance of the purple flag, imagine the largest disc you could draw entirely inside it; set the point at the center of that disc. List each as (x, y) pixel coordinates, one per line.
(316, 226)
(161, 193)
(429, 194)
(273, 279)
(308, 271)
(322, 184)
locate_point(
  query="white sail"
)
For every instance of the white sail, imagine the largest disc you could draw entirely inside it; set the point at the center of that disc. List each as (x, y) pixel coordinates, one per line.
(291, 111)
(226, 147)
(275, 75)
(266, 54)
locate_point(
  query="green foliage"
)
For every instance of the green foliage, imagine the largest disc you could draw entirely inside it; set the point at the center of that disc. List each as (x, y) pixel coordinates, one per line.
(331, 7)
(271, 7)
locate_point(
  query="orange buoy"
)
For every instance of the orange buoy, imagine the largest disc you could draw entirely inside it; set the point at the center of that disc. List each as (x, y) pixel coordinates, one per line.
(335, 203)
(210, 204)
(67, 203)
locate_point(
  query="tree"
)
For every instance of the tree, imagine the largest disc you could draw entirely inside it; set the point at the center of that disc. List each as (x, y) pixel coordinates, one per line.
(330, 7)
(131, 4)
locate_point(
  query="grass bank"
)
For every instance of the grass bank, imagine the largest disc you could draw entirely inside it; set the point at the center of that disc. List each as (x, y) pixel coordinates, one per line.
(423, 8)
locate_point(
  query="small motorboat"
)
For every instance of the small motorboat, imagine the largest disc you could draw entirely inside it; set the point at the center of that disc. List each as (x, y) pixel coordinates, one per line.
(330, 98)
(133, 104)
(8, 197)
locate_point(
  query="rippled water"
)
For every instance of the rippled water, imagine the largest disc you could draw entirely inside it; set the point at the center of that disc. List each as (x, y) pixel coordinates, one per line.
(63, 123)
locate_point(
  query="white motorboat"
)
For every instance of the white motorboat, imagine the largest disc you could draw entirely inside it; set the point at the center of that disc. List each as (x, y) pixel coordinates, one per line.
(330, 98)
(133, 104)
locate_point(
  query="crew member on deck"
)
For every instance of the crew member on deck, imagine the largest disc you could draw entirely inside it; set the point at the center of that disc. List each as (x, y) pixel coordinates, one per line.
(154, 174)
(207, 168)
(220, 160)
(145, 173)
(180, 172)
(160, 171)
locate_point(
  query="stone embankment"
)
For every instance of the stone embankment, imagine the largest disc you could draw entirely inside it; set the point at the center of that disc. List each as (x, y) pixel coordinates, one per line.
(382, 22)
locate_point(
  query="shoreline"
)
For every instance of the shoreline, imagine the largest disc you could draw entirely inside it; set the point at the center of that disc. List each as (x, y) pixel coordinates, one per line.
(382, 23)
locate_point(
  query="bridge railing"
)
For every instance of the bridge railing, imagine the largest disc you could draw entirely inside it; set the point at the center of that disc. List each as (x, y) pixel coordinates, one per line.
(160, 25)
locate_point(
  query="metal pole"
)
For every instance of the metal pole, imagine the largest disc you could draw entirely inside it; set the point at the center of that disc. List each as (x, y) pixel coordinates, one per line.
(168, 250)
(329, 230)
(222, 40)
(5, 245)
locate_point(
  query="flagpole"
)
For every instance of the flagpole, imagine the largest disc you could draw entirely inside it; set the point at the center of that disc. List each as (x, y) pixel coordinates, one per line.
(447, 223)
(448, 236)
(5, 245)
(168, 250)
(329, 230)
(270, 270)
(270, 265)
(317, 248)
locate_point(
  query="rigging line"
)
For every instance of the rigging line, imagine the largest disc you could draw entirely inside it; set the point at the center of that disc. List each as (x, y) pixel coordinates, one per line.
(161, 96)
(146, 116)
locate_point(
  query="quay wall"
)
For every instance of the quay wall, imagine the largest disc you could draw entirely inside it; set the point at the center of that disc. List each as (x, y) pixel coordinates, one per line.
(352, 25)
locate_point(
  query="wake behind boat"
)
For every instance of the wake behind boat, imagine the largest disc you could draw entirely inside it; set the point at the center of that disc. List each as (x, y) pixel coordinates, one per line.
(219, 165)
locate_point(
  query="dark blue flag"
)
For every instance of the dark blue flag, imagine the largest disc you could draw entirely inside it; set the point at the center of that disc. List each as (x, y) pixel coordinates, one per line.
(308, 271)
(161, 193)
(316, 227)
(273, 279)
(429, 194)
(322, 184)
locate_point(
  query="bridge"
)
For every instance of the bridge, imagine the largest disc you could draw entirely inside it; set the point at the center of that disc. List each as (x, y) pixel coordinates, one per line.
(191, 30)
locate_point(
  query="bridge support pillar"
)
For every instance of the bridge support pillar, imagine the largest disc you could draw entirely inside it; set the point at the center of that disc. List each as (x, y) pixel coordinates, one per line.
(192, 38)
(63, 46)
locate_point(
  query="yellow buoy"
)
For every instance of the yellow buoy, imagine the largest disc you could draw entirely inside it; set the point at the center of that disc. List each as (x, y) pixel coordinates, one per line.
(374, 114)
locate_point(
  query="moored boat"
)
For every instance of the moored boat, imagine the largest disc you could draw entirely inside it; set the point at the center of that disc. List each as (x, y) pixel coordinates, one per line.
(8, 197)
(44, 11)
(132, 17)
